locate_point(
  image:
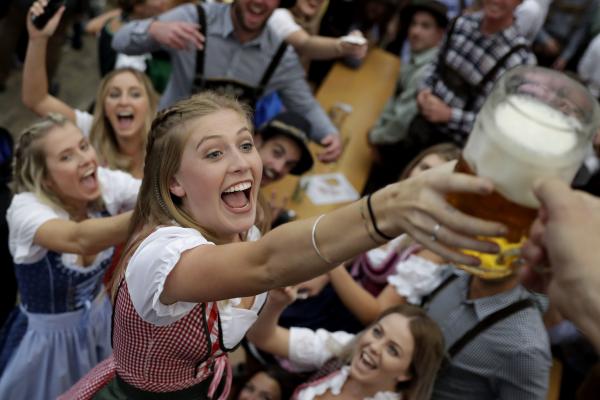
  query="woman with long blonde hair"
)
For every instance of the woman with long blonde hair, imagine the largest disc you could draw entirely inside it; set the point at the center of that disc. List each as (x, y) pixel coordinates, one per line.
(64, 219)
(124, 108)
(193, 276)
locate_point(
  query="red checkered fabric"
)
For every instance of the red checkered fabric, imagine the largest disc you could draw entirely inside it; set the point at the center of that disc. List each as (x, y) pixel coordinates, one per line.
(92, 382)
(156, 358)
(164, 358)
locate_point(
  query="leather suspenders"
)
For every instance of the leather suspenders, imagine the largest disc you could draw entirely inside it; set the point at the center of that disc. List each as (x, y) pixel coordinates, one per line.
(482, 325)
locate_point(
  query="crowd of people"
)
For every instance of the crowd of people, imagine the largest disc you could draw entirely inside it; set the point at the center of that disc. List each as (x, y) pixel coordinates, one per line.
(142, 249)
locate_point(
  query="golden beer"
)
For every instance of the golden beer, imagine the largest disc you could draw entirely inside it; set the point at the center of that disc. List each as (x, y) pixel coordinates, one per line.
(494, 207)
(536, 123)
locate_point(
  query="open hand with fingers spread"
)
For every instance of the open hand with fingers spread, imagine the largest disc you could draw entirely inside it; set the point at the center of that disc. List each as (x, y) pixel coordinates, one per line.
(424, 213)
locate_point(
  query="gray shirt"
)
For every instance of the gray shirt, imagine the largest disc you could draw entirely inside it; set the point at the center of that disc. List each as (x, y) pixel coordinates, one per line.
(392, 126)
(226, 57)
(510, 360)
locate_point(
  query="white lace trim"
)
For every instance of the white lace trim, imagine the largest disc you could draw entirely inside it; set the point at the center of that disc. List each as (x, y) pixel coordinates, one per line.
(379, 254)
(416, 277)
(335, 384)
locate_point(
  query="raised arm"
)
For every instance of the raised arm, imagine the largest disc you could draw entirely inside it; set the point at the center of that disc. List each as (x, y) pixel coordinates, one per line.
(175, 29)
(296, 95)
(363, 304)
(266, 334)
(95, 25)
(34, 90)
(86, 237)
(359, 301)
(324, 48)
(298, 251)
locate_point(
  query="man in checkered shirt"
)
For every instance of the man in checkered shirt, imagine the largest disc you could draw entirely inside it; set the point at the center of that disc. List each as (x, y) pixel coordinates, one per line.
(509, 360)
(477, 50)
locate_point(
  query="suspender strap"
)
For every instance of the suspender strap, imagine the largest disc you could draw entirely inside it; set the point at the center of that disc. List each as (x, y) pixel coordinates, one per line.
(274, 63)
(444, 50)
(488, 322)
(491, 74)
(499, 64)
(427, 299)
(199, 78)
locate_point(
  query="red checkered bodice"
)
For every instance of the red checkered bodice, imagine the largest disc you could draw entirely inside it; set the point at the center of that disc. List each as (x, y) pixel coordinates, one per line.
(165, 358)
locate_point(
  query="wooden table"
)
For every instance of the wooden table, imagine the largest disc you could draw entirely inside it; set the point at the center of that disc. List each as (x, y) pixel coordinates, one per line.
(366, 89)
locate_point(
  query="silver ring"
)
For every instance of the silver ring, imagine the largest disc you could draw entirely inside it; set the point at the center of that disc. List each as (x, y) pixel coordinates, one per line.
(436, 229)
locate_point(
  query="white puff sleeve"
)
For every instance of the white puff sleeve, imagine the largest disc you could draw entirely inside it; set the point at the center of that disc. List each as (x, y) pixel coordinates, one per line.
(149, 267)
(283, 24)
(416, 277)
(25, 215)
(119, 190)
(84, 121)
(310, 349)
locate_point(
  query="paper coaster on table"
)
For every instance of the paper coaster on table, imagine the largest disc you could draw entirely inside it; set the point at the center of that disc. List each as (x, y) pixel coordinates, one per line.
(329, 188)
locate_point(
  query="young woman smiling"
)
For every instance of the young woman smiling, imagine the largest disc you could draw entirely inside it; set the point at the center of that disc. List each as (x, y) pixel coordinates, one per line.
(396, 357)
(124, 108)
(63, 221)
(193, 276)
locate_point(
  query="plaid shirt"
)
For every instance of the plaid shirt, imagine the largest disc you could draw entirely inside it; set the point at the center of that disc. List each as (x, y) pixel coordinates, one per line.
(473, 55)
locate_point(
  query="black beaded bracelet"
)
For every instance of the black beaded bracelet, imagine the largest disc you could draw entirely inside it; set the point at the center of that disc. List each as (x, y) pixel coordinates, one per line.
(372, 215)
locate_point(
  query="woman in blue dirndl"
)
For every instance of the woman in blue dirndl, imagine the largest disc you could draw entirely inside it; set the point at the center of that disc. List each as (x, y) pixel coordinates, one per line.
(65, 218)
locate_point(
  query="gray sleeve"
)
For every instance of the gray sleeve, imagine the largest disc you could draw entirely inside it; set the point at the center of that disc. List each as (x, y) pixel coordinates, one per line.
(133, 37)
(295, 93)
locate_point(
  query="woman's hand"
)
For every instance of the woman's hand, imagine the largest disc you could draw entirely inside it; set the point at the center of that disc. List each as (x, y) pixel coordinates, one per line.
(418, 207)
(38, 9)
(282, 297)
(313, 287)
(358, 51)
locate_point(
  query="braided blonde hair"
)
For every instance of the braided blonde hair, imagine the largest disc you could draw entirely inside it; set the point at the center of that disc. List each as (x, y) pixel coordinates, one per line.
(169, 133)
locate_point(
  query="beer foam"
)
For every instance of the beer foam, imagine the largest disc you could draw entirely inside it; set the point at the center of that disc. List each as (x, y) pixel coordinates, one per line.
(520, 141)
(536, 126)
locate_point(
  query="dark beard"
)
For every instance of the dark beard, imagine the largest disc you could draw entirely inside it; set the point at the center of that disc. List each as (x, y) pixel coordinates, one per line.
(238, 17)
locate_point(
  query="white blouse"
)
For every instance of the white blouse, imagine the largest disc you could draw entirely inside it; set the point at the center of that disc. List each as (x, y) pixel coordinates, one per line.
(27, 213)
(282, 22)
(147, 272)
(416, 277)
(334, 384)
(379, 254)
(84, 121)
(310, 349)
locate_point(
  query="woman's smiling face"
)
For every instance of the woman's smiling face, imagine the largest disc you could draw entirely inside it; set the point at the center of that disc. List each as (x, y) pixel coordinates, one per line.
(72, 166)
(384, 353)
(219, 175)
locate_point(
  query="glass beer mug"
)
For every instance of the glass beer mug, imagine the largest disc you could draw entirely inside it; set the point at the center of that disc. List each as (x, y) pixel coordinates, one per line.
(536, 123)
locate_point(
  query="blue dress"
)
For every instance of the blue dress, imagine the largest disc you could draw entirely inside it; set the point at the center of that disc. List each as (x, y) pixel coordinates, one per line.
(61, 328)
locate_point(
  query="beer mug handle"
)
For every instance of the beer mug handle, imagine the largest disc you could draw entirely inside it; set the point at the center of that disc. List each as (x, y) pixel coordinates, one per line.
(511, 257)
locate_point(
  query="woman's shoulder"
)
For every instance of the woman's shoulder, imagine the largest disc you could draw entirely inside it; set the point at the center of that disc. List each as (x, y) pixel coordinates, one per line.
(30, 204)
(171, 239)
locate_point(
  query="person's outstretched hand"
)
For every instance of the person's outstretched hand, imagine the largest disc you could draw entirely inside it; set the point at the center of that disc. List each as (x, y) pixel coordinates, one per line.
(563, 252)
